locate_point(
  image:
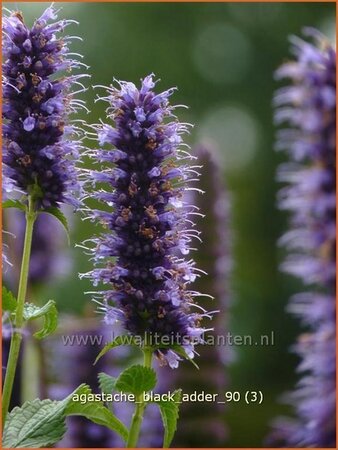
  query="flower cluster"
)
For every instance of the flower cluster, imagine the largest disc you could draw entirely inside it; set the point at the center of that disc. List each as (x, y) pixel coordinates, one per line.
(37, 156)
(309, 107)
(149, 228)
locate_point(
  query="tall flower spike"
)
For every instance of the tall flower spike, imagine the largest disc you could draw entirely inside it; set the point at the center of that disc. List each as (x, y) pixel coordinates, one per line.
(148, 225)
(309, 107)
(37, 151)
(213, 256)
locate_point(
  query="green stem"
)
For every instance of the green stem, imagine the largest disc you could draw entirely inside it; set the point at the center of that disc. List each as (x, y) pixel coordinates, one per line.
(139, 409)
(18, 319)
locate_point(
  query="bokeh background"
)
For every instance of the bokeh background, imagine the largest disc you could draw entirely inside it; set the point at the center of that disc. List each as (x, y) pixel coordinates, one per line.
(222, 57)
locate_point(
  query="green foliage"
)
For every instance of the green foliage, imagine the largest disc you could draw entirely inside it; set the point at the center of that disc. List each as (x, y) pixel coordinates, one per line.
(106, 383)
(117, 342)
(136, 380)
(8, 300)
(169, 412)
(41, 423)
(13, 204)
(36, 424)
(95, 411)
(49, 314)
(58, 214)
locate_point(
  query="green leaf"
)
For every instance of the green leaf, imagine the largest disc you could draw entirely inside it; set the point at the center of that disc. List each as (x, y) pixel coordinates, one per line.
(169, 412)
(136, 379)
(13, 204)
(36, 424)
(106, 383)
(8, 300)
(39, 423)
(95, 411)
(48, 312)
(124, 339)
(58, 214)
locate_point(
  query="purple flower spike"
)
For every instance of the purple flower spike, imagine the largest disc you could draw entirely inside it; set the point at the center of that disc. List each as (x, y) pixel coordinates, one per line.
(213, 256)
(309, 107)
(149, 228)
(38, 154)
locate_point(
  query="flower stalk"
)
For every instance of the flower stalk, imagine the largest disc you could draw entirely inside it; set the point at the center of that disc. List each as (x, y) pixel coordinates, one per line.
(137, 418)
(19, 316)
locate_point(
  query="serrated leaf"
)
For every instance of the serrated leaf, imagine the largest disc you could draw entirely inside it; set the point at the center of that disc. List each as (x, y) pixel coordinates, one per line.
(95, 411)
(136, 379)
(36, 424)
(58, 214)
(106, 383)
(39, 423)
(169, 412)
(117, 342)
(49, 314)
(13, 204)
(8, 300)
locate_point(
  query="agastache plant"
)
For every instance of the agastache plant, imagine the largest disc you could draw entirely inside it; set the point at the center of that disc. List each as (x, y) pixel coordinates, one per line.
(143, 173)
(40, 147)
(308, 106)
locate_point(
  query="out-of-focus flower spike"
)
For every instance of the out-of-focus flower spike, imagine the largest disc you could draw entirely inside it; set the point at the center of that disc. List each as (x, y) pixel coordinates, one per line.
(308, 107)
(214, 257)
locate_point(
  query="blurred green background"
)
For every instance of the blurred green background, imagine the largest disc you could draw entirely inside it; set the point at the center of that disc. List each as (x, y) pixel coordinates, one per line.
(222, 57)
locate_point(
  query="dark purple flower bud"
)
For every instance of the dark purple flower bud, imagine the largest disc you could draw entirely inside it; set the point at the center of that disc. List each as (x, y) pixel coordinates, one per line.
(149, 228)
(309, 108)
(38, 145)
